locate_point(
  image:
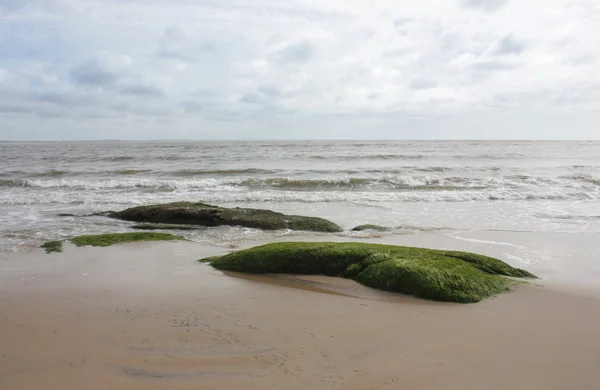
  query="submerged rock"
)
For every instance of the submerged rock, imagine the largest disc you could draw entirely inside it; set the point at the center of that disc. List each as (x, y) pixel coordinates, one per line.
(378, 228)
(189, 213)
(109, 239)
(164, 226)
(100, 214)
(121, 238)
(52, 246)
(431, 274)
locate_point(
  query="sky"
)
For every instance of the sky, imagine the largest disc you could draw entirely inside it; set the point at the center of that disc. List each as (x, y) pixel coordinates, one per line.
(299, 69)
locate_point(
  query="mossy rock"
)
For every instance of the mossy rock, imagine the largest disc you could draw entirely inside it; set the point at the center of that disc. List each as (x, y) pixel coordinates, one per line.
(188, 213)
(121, 238)
(378, 228)
(209, 259)
(52, 246)
(431, 274)
(164, 226)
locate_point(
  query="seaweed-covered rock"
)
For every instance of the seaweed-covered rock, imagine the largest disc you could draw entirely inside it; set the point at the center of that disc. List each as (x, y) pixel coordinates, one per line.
(378, 228)
(188, 213)
(121, 238)
(431, 274)
(164, 226)
(52, 246)
(109, 239)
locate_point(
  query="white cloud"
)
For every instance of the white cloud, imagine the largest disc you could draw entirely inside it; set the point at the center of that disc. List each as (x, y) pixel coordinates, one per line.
(295, 53)
(4, 75)
(508, 45)
(141, 89)
(177, 45)
(208, 68)
(420, 83)
(488, 5)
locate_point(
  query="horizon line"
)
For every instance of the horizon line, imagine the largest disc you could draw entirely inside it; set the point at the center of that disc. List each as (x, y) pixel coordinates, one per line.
(305, 140)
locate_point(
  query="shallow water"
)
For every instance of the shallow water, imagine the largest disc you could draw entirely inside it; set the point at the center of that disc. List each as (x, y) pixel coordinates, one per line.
(413, 186)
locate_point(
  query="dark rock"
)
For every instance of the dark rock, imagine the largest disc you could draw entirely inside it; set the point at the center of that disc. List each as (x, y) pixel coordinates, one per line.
(189, 213)
(164, 226)
(370, 227)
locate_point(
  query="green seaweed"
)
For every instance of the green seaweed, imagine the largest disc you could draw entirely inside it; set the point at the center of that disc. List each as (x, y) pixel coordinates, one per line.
(201, 214)
(378, 228)
(164, 226)
(52, 246)
(121, 238)
(209, 259)
(427, 273)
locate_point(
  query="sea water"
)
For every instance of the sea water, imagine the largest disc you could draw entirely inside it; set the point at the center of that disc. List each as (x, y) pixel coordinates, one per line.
(414, 187)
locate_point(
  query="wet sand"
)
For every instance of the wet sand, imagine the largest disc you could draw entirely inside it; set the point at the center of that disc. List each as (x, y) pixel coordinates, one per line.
(147, 316)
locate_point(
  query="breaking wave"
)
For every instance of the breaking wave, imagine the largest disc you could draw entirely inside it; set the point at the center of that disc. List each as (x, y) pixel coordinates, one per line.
(219, 195)
(219, 172)
(318, 184)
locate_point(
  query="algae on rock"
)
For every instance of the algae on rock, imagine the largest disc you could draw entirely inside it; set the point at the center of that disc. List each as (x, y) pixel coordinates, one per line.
(164, 226)
(431, 274)
(52, 246)
(121, 238)
(189, 213)
(378, 228)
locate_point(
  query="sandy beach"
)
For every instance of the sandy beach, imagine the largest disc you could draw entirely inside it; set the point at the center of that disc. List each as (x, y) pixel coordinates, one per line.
(147, 316)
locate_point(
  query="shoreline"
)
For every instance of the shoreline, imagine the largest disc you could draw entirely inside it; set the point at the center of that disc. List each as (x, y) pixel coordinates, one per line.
(563, 261)
(147, 315)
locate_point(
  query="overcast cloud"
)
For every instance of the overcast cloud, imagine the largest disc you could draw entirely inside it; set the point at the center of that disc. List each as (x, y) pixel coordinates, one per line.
(299, 69)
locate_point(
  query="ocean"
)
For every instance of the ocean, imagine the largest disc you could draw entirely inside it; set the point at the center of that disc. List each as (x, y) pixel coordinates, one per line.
(415, 187)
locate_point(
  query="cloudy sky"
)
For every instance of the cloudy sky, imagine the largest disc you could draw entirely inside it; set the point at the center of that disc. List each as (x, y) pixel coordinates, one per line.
(272, 69)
